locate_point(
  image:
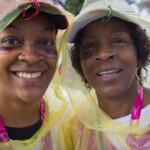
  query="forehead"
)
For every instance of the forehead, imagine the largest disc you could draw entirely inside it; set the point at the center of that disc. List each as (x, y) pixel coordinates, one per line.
(42, 20)
(114, 25)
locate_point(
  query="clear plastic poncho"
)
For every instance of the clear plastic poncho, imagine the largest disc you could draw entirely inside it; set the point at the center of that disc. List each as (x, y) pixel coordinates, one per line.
(87, 127)
(47, 137)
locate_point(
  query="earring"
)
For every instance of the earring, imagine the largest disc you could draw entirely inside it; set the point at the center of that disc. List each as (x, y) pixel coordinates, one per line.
(137, 74)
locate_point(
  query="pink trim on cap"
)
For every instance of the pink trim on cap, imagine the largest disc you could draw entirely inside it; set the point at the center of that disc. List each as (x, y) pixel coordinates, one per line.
(33, 14)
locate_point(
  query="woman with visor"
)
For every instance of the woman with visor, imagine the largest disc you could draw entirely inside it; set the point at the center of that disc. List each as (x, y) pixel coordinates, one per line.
(28, 56)
(111, 49)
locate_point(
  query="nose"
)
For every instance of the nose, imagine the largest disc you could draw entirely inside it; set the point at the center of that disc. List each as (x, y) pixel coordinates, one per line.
(30, 54)
(105, 53)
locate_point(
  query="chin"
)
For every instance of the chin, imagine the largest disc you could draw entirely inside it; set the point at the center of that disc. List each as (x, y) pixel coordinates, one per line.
(30, 94)
(108, 91)
(30, 98)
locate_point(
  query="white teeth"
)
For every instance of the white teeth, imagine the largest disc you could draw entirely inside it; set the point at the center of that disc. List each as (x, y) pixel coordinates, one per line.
(28, 75)
(34, 75)
(24, 75)
(107, 72)
(21, 74)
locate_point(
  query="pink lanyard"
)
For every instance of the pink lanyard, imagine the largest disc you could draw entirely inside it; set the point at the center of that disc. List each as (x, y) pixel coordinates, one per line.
(3, 134)
(136, 111)
(135, 116)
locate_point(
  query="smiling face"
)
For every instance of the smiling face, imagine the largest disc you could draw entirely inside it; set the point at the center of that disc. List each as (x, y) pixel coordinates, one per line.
(108, 58)
(28, 58)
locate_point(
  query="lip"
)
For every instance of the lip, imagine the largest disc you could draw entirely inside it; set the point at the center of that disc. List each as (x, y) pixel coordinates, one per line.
(28, 70)
(108, 74)
(24, 79)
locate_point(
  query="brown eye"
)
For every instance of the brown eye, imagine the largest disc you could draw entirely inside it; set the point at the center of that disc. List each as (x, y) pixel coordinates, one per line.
(89, 45)
(48, 45)
(11, 41)
(46, 42)
(119, 42)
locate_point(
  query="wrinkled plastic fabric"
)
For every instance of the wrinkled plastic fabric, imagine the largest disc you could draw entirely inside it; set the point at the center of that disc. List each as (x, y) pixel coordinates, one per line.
(83, 138)
(47, 137)
(42, 140)
(87, 127)
(79, 137)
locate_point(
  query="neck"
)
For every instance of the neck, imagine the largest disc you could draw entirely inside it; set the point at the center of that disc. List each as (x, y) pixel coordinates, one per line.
(20, 114)
(119, 105)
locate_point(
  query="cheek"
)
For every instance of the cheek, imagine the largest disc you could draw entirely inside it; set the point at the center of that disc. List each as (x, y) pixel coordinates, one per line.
(83, 66)
(52, 65)
(86, 54)
(50, 55)
(7, 58)
(129, 57)
(86, 68)
(51, 71)
(5, 52)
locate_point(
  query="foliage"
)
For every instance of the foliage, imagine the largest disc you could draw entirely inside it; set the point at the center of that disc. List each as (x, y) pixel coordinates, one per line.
(144, 5)
(74, 6)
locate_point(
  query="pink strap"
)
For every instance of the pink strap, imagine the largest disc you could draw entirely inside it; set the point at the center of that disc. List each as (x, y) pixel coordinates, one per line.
(136, 111)
(3, 134)
(33, 14)
(42, 111)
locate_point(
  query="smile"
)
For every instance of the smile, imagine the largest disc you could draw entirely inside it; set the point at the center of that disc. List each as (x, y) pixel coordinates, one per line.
(29, 75)
(108, 72)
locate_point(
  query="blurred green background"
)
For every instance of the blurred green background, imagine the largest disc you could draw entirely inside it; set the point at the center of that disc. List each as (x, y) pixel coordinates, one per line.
(74, 6)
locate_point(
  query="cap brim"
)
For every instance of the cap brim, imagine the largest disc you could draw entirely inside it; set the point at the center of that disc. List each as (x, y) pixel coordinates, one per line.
(14, 9)
(60, 21)
(86, 17)
(77, 26)
(59, 18)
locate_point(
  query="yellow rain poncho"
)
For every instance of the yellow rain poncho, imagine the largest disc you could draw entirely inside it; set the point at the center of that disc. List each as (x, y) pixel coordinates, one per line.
(87, 127)
(46, 138)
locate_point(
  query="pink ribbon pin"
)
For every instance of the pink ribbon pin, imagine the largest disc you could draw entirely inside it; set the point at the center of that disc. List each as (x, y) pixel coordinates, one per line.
(34, 13)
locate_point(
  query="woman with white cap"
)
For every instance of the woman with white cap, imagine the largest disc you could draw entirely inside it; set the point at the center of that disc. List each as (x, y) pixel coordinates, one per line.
(28, 56)
(110, 51)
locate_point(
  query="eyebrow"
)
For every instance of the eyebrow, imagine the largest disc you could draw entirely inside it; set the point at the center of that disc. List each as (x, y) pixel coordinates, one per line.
(49, 29)
(113, 32)
(120, 31)
(87, 36)
(12, 27)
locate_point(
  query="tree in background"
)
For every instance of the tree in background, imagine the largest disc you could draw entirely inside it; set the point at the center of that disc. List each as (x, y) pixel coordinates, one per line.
(145, 5)
(74, 6)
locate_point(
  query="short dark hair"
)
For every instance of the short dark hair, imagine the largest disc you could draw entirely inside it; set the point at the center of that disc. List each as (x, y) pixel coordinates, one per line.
(139, 37)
